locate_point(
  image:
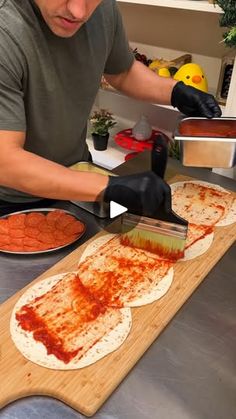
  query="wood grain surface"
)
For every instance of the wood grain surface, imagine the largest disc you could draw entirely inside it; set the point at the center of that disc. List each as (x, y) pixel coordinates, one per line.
(87, 389)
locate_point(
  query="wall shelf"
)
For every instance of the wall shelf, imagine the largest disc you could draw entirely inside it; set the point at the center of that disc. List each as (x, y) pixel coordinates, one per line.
(195, 5)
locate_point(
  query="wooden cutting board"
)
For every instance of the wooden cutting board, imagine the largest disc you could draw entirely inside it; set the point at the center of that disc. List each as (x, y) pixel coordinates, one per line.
(86, 390)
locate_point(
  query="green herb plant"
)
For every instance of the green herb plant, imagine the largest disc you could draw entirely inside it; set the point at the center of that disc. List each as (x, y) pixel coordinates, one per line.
(228, 20)
(101, 121)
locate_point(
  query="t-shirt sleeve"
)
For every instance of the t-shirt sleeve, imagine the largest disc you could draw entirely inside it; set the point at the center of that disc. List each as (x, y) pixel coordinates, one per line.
(121, 56)
(12, 109)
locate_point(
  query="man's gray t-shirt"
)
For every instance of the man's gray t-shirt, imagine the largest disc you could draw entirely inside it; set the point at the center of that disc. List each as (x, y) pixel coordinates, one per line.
(48, 84)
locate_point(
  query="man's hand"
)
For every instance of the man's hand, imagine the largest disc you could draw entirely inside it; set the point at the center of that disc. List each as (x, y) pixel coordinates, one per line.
(194, 102)
(141, 193)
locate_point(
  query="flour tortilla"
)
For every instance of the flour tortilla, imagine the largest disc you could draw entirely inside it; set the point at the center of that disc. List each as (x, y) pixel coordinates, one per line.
(199, 247)
(95, 245)
(157, 289)
(36, 352)
(229, 217)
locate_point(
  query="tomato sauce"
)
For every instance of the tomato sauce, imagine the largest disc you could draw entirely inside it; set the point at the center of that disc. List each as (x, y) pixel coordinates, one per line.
(128, 280)
(208, 128)
(89, 309)
(203, 232)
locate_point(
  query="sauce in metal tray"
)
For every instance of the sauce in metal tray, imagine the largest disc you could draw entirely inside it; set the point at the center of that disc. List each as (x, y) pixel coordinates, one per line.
(208, 128)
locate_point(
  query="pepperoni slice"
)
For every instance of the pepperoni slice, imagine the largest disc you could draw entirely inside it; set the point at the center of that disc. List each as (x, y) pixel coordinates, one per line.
(46, 238)
(74, 228)
(63, 221)
(59, 235)
(59, 243)
(33, 219)
(32, 232)
(53, 216)
(17, 221)
(4, 239)
(4, 246)
(62, 239)
(38, 247)
(18, 242)
(17, 233)
(32, 249)
(4, 226)
(44, 227)
(30, 242)
(14, 248)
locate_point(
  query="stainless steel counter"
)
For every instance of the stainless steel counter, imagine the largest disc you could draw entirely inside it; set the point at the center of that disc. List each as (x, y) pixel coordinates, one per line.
(190, 370)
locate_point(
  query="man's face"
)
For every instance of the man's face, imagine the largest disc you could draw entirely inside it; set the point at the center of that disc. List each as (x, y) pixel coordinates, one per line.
(65, 17)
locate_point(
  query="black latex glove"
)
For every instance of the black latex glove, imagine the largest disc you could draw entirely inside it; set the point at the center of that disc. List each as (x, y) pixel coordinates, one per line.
(194, 102)
(142, 193)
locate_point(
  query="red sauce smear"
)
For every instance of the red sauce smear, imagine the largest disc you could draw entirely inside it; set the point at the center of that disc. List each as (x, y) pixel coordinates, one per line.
(209, 128)
(207, 230)
(30, 321)
(110, 286)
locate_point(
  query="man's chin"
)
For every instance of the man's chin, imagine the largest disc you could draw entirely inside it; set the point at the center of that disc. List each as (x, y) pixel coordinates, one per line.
(64, 32)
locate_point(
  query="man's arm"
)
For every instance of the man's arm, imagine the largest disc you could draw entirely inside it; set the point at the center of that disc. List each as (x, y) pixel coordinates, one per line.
(27, 172)
(142, 83)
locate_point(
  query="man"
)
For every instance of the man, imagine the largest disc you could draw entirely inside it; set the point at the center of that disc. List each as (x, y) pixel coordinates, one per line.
(52, 56)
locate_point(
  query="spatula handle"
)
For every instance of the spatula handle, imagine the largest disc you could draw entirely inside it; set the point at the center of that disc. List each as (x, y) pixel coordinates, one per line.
(159, 155)
(159, 159)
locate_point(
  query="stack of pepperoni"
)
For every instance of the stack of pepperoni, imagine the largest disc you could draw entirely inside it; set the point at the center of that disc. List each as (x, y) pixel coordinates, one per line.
(37, 231)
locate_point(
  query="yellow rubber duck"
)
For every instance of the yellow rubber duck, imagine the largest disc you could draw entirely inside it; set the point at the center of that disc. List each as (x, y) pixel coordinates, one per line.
(192, 75)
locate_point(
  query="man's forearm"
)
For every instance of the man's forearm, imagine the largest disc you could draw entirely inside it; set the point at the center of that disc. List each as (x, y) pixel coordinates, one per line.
(142, 83)
(37, 176)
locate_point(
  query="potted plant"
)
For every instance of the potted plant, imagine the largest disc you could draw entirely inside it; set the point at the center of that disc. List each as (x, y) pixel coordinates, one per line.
(100, 122)
(228, 20)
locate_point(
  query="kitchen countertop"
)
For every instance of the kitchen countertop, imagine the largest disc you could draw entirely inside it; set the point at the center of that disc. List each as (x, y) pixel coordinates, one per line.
(189, 372)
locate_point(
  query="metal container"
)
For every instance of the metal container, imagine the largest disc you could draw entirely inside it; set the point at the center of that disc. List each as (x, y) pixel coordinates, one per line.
(100, 209)
(207, 142)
